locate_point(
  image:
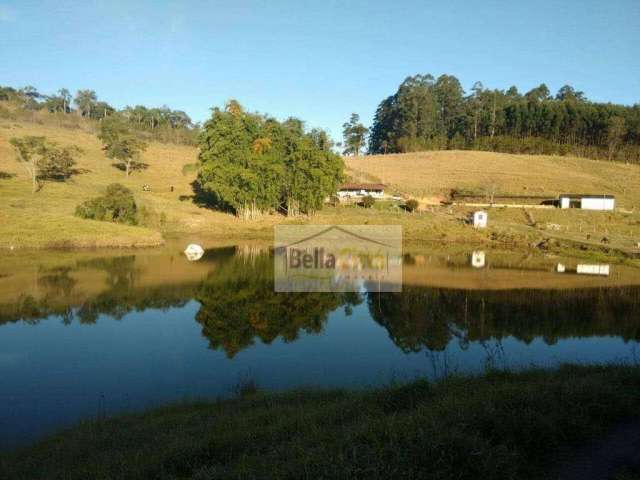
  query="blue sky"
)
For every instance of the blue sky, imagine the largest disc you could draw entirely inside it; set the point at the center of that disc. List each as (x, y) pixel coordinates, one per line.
(317, 60)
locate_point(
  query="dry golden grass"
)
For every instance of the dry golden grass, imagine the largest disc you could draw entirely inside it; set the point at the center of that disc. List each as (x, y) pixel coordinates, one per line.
(46, 217)
(434, 174)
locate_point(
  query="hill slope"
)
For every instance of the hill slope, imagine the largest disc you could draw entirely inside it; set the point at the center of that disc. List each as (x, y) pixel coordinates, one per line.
(426, 174)
(46, 217)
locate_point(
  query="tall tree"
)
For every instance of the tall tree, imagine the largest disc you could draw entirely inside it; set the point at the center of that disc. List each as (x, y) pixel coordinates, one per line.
(120, 143)
(65, 95)
(85, 100)
(616, 130)
(355, 134)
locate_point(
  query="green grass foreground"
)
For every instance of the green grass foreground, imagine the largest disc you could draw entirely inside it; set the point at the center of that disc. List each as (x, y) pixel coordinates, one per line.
(498, 425)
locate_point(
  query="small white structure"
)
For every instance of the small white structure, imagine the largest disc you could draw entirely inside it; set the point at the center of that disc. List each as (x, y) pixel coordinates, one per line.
(584, 269)
(355, 190)
(587, 201)
(478, 259)
(480, 219)
(194, 252)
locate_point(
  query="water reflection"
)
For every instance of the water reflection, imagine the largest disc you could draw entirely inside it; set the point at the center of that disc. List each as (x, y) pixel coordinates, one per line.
(82, 333)
(238, 305)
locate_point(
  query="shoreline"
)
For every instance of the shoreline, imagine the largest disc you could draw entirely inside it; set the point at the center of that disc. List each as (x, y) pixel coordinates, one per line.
(516, 422)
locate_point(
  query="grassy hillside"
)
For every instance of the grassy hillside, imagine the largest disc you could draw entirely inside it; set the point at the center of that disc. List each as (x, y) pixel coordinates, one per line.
(434, 174)
(45, 219)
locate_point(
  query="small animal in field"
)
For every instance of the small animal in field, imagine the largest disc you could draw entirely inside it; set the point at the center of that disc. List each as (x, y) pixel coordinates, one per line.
(604, 240)
(146, 188)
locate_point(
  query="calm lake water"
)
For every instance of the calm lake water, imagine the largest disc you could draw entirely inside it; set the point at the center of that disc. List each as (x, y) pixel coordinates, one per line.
(83, 335)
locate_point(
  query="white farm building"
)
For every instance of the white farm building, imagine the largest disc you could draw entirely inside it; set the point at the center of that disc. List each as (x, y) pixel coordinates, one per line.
(587, 202)
(355, 190)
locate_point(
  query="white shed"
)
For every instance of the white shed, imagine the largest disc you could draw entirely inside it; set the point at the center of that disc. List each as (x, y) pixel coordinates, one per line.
(480, 219)
(587, 201)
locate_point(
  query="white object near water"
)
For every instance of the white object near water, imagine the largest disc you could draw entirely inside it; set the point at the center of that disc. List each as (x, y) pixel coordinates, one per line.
(194, 252)
(480, 219)
(478, 259)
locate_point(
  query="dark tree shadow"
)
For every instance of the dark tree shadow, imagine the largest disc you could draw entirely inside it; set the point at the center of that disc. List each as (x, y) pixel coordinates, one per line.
(135, 166)
(63, 177)
(204, 199)
(6, 176)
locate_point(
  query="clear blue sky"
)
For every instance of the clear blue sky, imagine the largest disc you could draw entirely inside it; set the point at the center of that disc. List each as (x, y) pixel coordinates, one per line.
(317, 60)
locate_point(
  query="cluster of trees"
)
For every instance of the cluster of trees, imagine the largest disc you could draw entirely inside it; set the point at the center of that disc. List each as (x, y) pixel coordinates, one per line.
(45, 160)
(251, 163)
(161, 123)
(428, 113)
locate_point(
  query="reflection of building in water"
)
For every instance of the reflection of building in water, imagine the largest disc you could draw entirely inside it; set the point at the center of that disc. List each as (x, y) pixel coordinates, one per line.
(585, 269)
(593, 269)
(478, 259)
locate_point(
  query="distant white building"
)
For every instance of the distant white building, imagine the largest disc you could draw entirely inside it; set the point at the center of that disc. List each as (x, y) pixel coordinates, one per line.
(356, 190)
(593, 270)
(480, 219)
(587, 202)
(585, 269)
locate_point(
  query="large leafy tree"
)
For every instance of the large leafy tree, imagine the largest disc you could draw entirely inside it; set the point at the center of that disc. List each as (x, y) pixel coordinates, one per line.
(251, 163)
(121, 143)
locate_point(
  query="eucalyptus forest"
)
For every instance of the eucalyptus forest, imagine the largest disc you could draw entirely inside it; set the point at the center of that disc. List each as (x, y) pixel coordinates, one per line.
(432, 114)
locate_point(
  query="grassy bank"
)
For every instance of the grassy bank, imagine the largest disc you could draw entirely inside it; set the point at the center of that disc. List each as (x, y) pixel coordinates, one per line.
(499, 425)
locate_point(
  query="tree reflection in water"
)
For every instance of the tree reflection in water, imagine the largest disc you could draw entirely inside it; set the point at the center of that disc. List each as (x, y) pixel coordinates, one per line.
(238, 306)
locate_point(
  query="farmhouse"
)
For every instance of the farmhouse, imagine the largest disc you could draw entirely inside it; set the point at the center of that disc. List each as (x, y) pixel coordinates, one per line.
(352, 190)
(587, 201)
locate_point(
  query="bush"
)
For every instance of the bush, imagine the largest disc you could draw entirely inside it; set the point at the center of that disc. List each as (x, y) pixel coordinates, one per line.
(411, 205)
(118, 205)
(368, 201)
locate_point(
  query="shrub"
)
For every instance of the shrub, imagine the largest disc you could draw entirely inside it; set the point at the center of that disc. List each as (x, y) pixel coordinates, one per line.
(368, 201)
(118, 205)
(411, 205)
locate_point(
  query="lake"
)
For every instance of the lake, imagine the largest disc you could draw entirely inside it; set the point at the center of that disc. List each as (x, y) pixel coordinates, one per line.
(89, 334)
